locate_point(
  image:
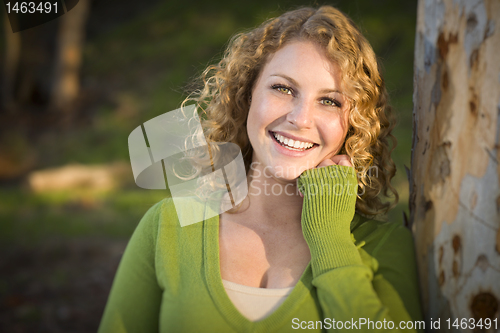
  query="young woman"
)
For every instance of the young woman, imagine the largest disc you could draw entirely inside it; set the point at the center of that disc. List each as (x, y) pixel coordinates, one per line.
(303, 97)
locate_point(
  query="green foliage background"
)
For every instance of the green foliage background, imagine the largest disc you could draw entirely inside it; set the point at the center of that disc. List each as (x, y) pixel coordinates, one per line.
(139, 66)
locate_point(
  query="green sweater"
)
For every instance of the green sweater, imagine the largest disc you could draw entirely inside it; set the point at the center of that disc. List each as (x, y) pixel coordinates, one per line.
(169, 277)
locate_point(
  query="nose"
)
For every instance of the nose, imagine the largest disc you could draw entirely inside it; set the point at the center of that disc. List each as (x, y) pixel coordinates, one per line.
(301, 116)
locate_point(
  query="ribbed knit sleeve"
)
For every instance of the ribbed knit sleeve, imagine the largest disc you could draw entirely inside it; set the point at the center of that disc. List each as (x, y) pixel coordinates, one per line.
(349, 286)
(328, 209)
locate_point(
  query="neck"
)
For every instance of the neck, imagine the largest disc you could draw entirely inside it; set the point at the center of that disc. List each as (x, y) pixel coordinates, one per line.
(274, 200)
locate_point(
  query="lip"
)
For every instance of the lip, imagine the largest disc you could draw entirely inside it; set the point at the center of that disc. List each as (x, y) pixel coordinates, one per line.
(295, 138)
(286, 151)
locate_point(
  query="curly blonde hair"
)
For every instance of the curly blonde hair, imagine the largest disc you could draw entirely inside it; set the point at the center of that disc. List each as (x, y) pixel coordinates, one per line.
(224, 98)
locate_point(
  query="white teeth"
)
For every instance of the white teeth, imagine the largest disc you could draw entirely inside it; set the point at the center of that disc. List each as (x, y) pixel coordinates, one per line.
(290, 143)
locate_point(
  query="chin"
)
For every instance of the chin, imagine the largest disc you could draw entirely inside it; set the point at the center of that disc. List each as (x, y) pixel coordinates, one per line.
(288, 172)
(290, 176)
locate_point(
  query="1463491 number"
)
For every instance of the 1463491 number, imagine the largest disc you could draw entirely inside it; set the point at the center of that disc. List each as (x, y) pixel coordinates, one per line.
(31, 7)
(472, 323)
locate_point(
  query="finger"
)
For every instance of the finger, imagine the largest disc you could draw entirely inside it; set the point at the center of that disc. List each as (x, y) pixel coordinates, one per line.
(344, 160)
(325, 163)
(345, 163)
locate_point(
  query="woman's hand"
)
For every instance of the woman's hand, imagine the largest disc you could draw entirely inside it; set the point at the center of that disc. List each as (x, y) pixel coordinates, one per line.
(336, 160)
(344, 160)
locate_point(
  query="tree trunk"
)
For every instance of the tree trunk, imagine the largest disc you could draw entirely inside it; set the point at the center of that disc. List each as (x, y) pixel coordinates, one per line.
(66, 83)
(10, 66)
(455, 196)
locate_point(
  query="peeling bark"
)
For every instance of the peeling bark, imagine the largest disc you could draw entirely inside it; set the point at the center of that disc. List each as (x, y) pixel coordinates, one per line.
(455, 190)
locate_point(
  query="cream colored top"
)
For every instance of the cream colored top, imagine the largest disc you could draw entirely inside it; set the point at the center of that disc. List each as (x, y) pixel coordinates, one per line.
(255, 303)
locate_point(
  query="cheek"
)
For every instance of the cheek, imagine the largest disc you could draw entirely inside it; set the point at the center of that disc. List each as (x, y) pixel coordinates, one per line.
(254, 125)
(334, 132)
(259, 117)
(252, 120)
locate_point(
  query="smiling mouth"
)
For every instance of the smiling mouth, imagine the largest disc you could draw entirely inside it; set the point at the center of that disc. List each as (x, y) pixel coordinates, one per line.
(292, 144)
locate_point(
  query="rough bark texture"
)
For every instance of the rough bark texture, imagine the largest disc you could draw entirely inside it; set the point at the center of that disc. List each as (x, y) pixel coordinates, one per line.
(455, 196)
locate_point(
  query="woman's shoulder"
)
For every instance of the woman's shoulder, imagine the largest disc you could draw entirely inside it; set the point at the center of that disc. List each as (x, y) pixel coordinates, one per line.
(180, 212)
(174, 219)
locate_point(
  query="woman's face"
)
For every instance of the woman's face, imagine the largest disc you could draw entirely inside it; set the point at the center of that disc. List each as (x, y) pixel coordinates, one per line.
(298, 114)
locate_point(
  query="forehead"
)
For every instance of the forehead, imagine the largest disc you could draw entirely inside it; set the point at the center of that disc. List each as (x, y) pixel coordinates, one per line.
(306, 60)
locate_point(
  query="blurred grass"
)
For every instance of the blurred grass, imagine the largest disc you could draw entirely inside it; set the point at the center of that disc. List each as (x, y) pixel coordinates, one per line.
(142, 67)
(30, 219)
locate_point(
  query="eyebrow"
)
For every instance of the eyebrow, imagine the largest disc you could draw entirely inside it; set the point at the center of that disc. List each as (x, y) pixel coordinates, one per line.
(295, 83)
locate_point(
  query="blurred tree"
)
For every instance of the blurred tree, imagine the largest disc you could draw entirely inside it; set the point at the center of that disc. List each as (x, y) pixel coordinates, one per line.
(26, 60)
(11, 60)
(25, 83)
(39, 85)
(455, 192)
(70, 38)
(41, 64)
